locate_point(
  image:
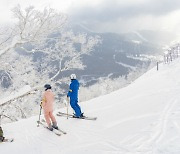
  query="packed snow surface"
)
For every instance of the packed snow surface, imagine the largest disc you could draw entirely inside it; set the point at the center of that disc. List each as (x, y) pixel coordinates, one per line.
(142, 118)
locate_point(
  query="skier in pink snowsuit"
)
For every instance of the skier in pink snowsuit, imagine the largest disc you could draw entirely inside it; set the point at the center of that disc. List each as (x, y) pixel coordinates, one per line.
(47, 105)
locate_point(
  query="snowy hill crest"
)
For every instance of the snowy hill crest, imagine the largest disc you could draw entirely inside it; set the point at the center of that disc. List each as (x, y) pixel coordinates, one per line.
(142, 118)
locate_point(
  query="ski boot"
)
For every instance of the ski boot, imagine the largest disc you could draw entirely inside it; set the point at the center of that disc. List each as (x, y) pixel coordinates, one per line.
(55, 125)
(50, 127)
(82, 115)
(2, 138)
(75, 116)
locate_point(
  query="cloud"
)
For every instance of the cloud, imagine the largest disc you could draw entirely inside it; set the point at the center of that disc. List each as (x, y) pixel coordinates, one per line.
(113, 12)
(109, 15)
(110, 10)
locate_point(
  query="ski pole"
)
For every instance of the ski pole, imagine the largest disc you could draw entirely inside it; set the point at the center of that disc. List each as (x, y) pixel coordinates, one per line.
(0, 119)
(39, 115)
(67, 106)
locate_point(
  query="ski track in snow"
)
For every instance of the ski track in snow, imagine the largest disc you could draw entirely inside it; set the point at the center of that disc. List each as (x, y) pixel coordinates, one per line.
(145, 142)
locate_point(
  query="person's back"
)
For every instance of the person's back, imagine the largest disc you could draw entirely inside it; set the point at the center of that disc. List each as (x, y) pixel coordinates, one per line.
(47, 104)
(74, 86)
(73, 94)
(48, 97)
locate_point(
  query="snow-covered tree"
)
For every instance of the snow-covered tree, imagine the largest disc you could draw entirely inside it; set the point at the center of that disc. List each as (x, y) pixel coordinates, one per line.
(106, 85)
(32, 26)
(39, 47)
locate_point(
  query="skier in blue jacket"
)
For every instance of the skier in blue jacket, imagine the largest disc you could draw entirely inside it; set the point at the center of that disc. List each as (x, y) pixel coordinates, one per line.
(73, 94)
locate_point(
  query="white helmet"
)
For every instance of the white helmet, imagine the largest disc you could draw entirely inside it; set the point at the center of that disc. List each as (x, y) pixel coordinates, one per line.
(73, 76)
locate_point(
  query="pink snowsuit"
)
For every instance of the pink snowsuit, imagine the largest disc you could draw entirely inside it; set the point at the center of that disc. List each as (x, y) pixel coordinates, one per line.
(47, 105)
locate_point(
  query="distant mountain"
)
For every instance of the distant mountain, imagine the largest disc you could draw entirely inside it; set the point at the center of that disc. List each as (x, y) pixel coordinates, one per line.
(117, 55)
(161, 38)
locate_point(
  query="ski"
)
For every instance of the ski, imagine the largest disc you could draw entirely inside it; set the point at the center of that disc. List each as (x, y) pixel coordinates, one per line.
(60, 130)
(54, 130)
(7, 140)
(72, 116)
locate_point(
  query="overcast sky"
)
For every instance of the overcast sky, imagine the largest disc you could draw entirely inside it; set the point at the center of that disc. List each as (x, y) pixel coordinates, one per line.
(110, 15)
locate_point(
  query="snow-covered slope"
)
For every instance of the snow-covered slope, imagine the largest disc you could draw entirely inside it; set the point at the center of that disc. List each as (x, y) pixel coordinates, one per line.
(142, 118)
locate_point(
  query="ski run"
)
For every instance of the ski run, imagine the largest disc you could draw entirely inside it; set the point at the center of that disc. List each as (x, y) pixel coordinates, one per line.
(142, 118)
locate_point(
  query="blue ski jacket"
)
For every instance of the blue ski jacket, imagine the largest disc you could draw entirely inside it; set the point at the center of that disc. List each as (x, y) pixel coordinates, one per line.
(73, 89)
